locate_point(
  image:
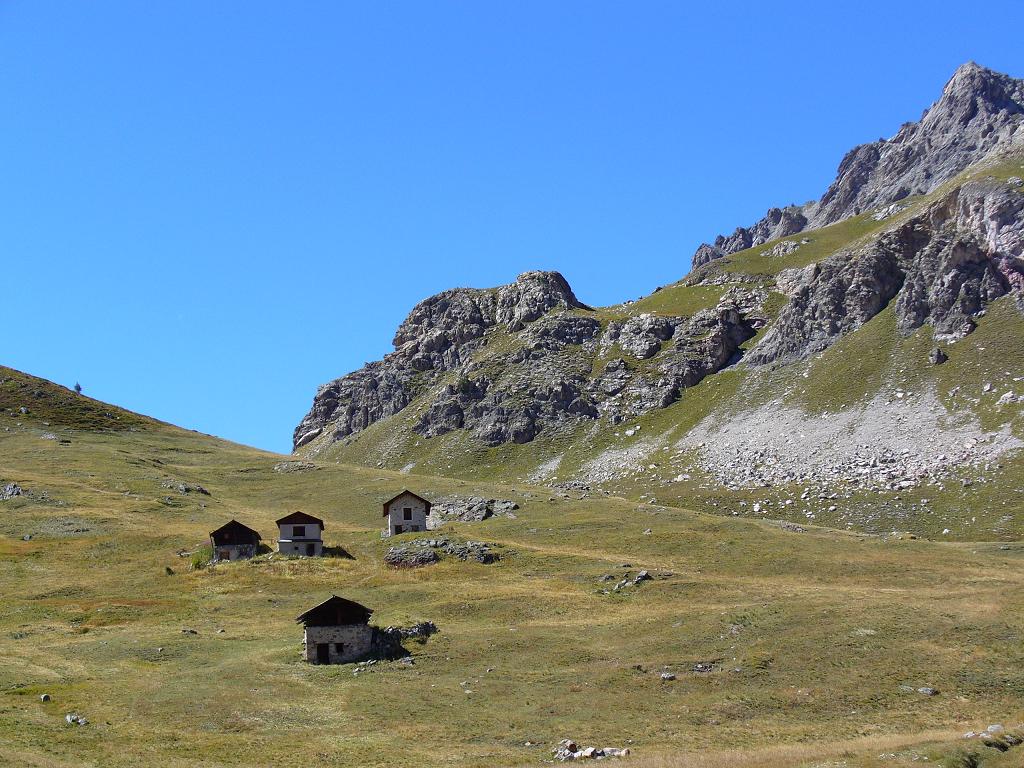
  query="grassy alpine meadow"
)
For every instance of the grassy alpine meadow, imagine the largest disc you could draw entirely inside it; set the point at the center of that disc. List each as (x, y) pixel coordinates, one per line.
(814, 642)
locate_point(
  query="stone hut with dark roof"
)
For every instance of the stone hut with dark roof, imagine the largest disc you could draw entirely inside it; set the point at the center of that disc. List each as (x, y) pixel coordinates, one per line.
(336, 632)
(234, 541)
(300, 534)
(406, 513)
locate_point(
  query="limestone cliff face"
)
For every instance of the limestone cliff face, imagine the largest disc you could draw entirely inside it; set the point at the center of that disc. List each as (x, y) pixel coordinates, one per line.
(979, 111)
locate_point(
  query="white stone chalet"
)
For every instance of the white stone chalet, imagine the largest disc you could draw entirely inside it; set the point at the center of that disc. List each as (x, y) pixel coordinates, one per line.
(300, 534)
(406, 513)
(336, 631)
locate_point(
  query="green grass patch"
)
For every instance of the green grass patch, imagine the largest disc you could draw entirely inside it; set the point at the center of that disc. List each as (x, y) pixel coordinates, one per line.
(678, 300)
(35, 400)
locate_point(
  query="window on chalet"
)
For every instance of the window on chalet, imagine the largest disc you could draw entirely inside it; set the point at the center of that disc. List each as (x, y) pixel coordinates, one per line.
(298, 531)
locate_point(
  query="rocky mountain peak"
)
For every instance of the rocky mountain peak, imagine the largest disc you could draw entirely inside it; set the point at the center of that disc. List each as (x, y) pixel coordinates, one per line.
(975, 91)
(942, 267)
(979, 111)
(460, 315)
(528, 359)
(533, 295)
(440, 334)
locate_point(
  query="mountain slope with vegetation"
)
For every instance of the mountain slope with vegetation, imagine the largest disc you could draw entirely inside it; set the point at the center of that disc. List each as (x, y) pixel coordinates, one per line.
(866, 373)
(775, 503)
(980, 111)
(177, 665)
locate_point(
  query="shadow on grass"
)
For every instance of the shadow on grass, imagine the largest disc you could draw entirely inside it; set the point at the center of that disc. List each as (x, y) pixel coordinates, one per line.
(338, 551)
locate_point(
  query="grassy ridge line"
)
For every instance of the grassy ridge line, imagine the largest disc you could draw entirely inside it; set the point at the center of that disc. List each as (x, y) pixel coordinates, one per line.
(856, 231)
(45, 401)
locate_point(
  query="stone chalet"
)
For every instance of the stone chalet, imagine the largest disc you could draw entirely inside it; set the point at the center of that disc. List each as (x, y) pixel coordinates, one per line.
(234, 541)
(300, 534)
(336, 632)
(406, 513)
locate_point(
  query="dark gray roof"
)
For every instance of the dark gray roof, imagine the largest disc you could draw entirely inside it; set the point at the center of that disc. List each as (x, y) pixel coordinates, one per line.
(335, 611)
(234, 532)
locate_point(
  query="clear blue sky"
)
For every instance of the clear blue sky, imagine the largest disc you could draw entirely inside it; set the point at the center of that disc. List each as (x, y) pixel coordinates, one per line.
(209, 208)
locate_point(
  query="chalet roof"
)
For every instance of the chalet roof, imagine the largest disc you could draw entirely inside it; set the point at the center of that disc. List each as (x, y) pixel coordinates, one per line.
(335, 611)
(234, 532)
(406, 493)
(300, 518)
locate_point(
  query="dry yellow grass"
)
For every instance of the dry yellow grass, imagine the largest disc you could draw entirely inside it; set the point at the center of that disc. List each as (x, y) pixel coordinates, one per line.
(792, 755)
(810, 635)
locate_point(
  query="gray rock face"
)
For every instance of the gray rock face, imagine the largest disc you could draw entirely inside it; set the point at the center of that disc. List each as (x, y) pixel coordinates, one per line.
(356, 401)
(942, 267)
(826, 300)
(556, 332)
(975, 257)
(778, 222)
(504, 413)
(641, 336)
(440, 334)
(698, 347)
(9, 491)
(541, 377)
(979, 111)
(427, 551)
(466, 509)
(441, 329)
(531, 296)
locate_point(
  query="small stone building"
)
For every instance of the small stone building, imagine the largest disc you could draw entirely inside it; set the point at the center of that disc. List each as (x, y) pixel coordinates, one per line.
(406, 513)
(234, 541)
(336, 632)
(300, 534)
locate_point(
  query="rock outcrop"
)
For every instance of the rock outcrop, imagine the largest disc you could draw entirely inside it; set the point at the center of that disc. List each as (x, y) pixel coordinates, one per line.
(541, 377)
(698, 346)
(415, 554)
(778, 222)
(469, 509)
(942, 267)
(9, 491)
(440, 334)
(978, 112)
(549, 382)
